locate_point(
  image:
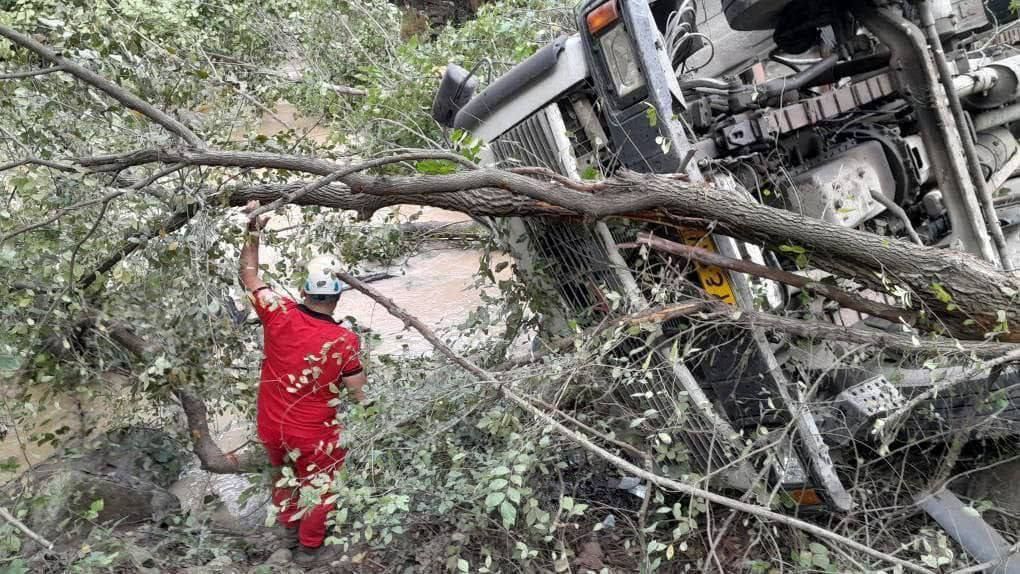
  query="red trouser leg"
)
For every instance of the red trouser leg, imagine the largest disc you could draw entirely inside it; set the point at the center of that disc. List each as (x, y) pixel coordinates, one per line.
(317, 456)
(283, 497)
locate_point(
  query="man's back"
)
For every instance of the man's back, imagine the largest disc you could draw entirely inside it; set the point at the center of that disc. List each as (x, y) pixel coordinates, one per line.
(306, 354)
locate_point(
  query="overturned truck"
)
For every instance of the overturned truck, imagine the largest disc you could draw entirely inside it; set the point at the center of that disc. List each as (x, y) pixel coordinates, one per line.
(890, 117)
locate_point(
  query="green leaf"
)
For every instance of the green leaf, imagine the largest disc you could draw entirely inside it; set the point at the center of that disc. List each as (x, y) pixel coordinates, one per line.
(500, 471)
(566, 503)
(15, 567)
(509, 514)
(462, 565)
(498, 484)
(940, 293)
(653, 116)
(435, 166)
(494, 499)
(9, 363)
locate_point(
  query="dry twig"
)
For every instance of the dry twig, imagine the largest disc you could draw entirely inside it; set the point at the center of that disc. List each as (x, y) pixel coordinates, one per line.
(10, 518)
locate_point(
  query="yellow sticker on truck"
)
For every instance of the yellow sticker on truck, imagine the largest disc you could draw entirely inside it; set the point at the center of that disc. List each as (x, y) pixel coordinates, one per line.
(715, 280)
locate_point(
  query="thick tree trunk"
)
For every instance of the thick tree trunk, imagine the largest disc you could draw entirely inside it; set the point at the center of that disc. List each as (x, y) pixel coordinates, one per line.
(953, 289)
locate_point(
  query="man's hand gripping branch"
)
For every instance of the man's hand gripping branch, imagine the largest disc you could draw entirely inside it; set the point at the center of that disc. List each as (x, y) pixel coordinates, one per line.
(250, 251)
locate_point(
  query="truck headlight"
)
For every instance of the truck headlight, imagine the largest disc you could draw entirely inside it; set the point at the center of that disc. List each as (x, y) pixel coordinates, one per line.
(620, 60)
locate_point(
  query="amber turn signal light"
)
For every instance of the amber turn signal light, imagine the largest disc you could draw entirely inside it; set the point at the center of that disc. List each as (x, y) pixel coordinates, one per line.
(602, 17)
(805, 497)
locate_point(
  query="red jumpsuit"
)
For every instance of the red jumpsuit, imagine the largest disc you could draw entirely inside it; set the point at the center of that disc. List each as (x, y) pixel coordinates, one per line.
(306, 353)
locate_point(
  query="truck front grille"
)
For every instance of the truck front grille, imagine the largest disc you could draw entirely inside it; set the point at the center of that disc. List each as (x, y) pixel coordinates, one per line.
(576, 260)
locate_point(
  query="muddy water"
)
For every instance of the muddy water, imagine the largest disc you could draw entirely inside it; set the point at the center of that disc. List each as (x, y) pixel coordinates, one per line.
(434, 285)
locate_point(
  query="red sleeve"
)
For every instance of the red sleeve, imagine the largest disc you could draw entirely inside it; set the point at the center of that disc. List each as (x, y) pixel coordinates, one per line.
(350, 356)
(270, 305)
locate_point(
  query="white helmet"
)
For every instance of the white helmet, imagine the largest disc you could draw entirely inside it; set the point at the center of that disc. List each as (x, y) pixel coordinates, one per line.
(321, 280)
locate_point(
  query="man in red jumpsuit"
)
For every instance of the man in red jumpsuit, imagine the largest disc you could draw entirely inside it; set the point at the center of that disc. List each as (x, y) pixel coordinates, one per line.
(308, 358)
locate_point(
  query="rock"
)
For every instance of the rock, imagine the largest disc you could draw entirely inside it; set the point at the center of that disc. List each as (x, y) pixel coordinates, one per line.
(70, 493)
(590, 557)
(143, 560)
(280, 557)
(235, 510)
(219, 565)
(129, 471)
(141, 452)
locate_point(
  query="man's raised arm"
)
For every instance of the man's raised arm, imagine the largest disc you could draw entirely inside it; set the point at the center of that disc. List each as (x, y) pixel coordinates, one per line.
(250, 251)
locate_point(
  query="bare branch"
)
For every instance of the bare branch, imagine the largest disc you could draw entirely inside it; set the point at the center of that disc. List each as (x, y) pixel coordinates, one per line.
(479, 202)
(346, 90)
(902, 342)
(873, 260)
(37, 161)
(116, 92)
(30, 73)
(848, 300)
(210, 455)
(10, 518)
(346, 171)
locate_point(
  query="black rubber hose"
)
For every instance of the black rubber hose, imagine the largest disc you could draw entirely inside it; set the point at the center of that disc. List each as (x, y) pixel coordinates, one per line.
(798, 81)
(854, 67)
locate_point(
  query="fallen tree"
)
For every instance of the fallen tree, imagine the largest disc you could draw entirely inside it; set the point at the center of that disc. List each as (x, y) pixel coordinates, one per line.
(953, 292)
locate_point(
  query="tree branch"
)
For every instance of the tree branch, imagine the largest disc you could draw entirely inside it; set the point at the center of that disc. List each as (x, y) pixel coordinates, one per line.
(109, 88)
(903, 342)
(349, 170)
(30, 73)
(613, 459)
(10, 518)
(38, 161)
(978, 291)
(210, 455)
(479, 202)
(893, 420)
(176, 221)
(105, 199)
(848, 300)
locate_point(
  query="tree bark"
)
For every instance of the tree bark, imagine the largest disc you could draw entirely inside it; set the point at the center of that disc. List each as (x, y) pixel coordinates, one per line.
(210, 455)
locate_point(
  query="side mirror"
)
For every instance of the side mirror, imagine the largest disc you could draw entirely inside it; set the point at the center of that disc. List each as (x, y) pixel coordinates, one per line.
(455, 90)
